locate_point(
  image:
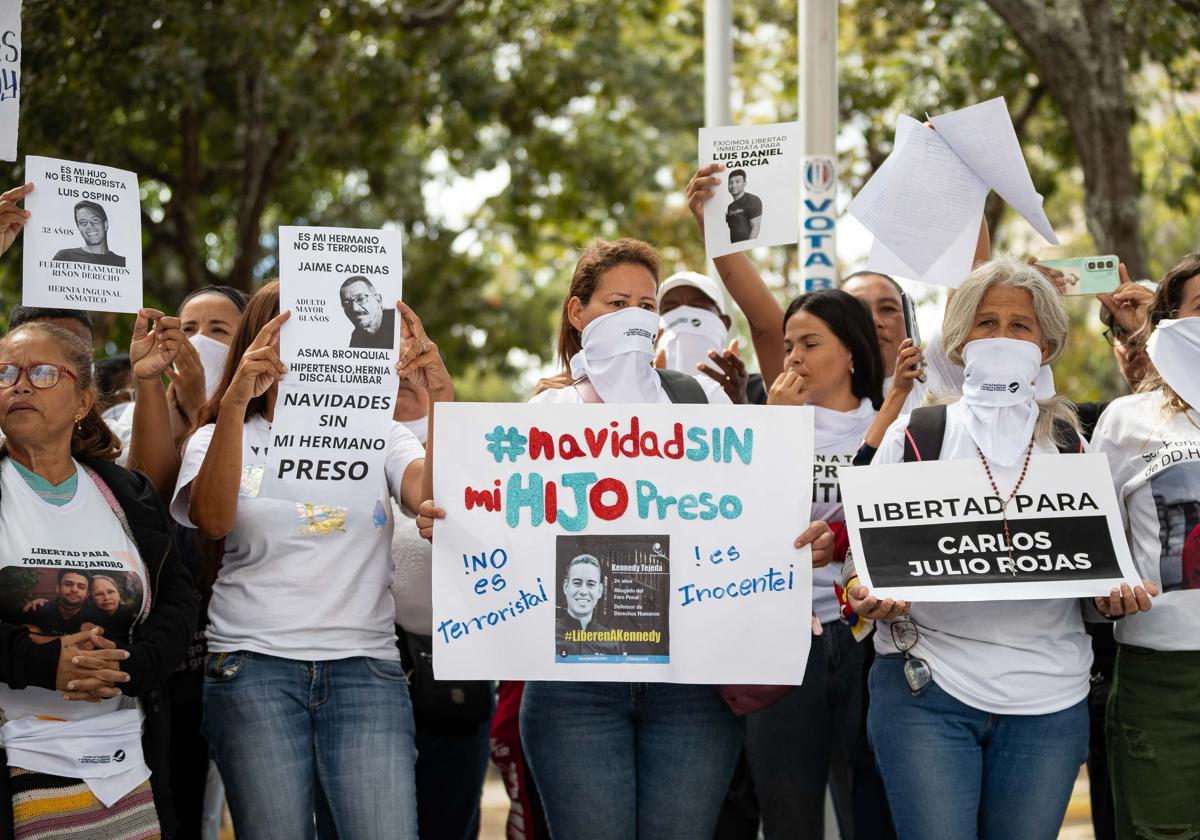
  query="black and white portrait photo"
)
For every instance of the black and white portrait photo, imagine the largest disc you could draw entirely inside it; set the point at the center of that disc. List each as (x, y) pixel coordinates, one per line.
(744, 213)
(92, 222)
(374, 323)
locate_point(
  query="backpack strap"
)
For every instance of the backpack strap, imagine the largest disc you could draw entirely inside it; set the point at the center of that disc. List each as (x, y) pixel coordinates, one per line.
(681, 387)
(923, 437)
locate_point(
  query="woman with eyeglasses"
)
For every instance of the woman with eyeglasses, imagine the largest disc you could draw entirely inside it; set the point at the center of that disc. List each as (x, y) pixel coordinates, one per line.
(978, 710)
(83, 719)
(1152, 440)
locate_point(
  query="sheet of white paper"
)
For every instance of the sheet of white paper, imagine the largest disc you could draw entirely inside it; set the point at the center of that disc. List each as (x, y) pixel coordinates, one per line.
(10, 76)
(766, 209)
(83, 241)
(867, 205)
(930, 193)
(984, 138)
(333, 414)
(951, 268)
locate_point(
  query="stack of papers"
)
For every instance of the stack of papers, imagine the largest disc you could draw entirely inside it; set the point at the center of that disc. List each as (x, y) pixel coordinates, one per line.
(925, 202)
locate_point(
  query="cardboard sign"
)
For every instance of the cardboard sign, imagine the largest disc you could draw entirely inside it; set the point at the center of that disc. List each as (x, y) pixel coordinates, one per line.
(83, 242)
(333, 414)
(934, 531)
(622, 542)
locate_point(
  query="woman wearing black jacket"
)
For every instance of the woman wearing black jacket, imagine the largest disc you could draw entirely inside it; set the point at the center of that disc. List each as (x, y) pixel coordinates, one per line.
(82, 723)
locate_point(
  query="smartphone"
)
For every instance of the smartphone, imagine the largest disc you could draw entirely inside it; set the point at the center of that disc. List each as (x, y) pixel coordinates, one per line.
(911, 329)
(1088, 275)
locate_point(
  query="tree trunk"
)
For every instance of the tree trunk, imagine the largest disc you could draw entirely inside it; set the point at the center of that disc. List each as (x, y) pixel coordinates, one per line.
(1078, 47)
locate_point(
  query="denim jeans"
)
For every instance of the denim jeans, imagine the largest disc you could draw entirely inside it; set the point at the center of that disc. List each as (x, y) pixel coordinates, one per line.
(622, 761)
(793, 744)
(953, 772)
(312, 747)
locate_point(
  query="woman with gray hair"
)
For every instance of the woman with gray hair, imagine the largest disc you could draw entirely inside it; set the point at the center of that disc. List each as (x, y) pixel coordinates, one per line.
(978, 710)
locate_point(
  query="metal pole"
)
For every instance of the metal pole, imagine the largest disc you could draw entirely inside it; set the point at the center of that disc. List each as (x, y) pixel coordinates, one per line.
(818, 127)
(718, 61)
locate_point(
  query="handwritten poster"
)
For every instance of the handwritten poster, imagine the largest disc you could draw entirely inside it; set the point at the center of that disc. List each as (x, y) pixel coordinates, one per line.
(83, 242)
(598, 542)
(934, 531)
(10, 76)
(757, 202)
(333, 414)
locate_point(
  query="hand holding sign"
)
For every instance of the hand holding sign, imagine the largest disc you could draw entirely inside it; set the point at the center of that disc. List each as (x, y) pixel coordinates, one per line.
(820, 536)
(152, 350)
(868, 606)
(426, 514)
(12, 217)
(420, 362)
(701, 188)
(260, 367)
(1125, 601)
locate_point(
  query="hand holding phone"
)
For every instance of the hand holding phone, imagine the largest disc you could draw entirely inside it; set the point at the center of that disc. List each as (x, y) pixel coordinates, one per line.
(911, 329)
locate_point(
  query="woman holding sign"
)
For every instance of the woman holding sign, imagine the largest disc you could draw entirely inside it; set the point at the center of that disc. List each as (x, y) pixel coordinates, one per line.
(978, 710)
(306, 707)
(1152, 440)
(614, 761)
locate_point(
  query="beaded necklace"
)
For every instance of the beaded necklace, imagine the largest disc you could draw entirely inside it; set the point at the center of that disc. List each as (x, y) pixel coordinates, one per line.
(1012, 563)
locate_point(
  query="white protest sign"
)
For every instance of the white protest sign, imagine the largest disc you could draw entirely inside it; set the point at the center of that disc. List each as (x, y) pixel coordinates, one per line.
(934, 531)
(10, 76)
(758, 200)
(622, 542)
(83, 242)
(333, 414)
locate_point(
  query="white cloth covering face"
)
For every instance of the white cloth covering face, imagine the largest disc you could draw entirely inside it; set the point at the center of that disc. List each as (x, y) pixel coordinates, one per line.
(688, 334)
(999, 396)
(1174, 347)
(212, 358)
(618, 349)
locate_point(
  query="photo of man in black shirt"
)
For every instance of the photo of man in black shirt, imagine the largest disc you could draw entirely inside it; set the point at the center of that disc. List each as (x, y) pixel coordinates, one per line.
(744, 213)
(374, 323)
(92, 222)
(68, 611)
(583, 587)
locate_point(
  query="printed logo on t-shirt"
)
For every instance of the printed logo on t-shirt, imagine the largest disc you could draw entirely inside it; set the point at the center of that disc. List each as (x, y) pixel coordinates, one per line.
(826, 489)
(56, 592)
(1176, 492)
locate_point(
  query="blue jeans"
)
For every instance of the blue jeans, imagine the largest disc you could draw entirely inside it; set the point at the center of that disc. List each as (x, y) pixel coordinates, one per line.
(621, 761)
(953, 772)
(312, 747)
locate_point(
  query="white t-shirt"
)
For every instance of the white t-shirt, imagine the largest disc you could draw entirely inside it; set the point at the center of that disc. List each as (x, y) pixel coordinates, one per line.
(838, 435)
(1154, 456)
(942, 375)
(75, 558)
(412, 583)
(570, 395)
(301, 581)
(1003, 657)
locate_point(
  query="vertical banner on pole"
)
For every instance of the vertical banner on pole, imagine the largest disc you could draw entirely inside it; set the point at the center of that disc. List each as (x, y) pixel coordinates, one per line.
(818, 217)
(10, 76)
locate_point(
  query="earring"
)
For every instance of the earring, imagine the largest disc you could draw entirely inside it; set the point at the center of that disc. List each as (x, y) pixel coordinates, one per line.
(852, 367)
(78, 425)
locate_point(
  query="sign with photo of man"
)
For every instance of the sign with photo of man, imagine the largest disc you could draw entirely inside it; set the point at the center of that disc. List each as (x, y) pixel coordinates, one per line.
(83, 242)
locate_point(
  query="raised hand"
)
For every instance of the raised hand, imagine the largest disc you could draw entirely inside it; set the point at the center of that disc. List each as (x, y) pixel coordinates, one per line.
(788, 389)
(420, 362)
(260, 366)
(733, 376)
(1128, 303)
(187, 381)
(12, 217)
(701, 188)
(152, 350)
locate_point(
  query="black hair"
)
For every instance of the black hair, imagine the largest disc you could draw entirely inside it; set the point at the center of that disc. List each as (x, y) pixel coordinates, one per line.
(24, 314)
(235, 296)
(108, 369)
(737, 172)
(868, 273)
(849, 319)
(62, 573)
(91, 205)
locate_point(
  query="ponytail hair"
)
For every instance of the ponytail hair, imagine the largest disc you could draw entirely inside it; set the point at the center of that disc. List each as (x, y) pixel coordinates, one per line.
(91, 437)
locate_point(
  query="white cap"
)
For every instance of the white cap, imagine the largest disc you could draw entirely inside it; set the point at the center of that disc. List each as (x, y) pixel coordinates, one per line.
(694, 278)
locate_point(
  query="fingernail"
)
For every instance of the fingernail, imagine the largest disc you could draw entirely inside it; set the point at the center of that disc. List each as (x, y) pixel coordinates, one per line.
(70, 686)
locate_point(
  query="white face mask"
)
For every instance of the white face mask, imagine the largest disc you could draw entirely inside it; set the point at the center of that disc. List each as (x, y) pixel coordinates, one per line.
(1174, 347)
(212, 358)
(688, 334)
(419, 427)
(999, 395)
(617, 351)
